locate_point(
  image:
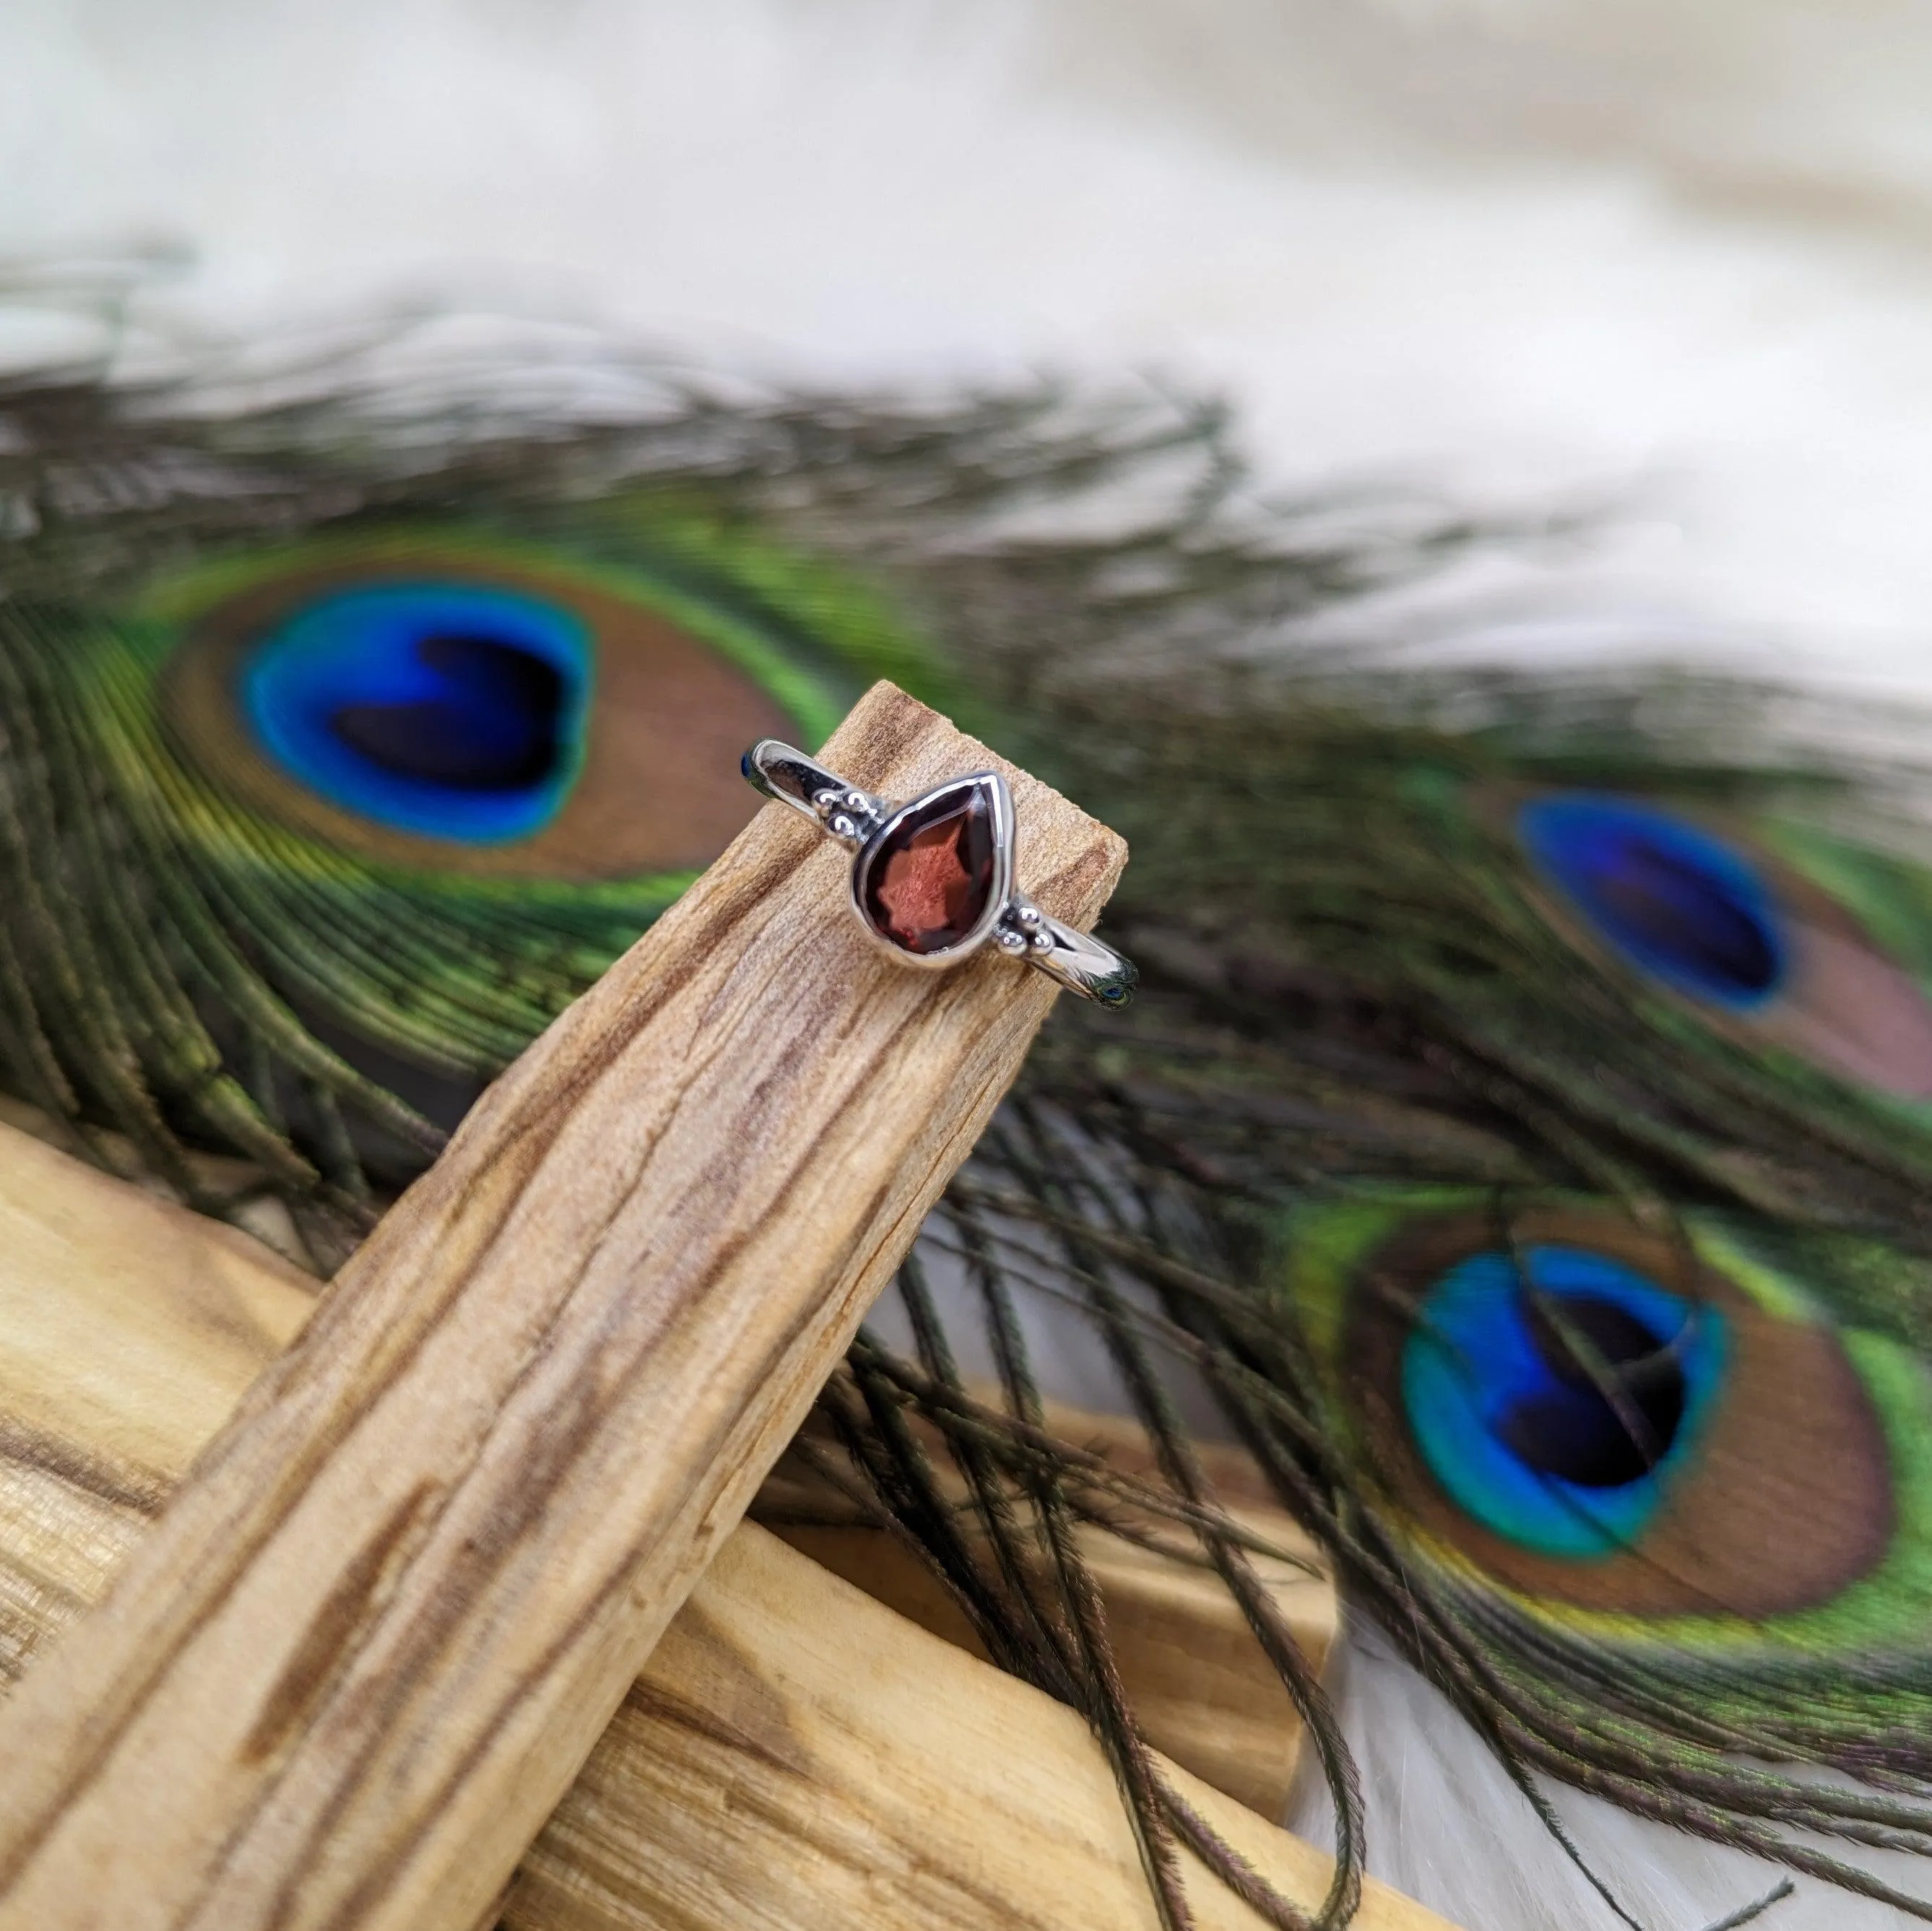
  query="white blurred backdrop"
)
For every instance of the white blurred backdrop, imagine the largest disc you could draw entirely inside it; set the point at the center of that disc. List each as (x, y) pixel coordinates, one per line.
(1678, 255)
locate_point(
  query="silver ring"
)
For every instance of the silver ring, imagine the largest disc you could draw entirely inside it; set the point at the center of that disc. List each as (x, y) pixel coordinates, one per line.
(932, 880)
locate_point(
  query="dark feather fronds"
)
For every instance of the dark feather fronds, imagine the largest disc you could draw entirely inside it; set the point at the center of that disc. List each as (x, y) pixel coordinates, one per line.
(1358, 1001)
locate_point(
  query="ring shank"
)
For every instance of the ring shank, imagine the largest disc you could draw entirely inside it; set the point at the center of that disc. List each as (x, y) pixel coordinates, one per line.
(791, 777)
(1083, 964)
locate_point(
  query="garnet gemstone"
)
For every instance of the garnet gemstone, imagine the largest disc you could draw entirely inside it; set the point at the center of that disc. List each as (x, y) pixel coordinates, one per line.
(928, 883)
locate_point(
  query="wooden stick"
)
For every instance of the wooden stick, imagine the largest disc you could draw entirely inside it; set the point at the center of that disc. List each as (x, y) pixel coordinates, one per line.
(1202, 1687)
(128, 1334)
(791, 1753)
(803, 1760)
(377, 1632)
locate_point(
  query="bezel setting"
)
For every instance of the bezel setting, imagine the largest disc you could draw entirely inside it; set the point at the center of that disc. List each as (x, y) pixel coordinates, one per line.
(884, 841)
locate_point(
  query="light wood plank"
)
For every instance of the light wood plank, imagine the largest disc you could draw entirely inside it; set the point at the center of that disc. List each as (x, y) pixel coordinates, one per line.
(127, 1335)
(687, 1817)
(807, 1760)
(375, 1635)
(1201, 1686)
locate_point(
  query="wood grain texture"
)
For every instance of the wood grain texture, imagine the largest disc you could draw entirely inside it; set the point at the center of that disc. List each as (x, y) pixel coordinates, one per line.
(376, 1633)
(1203, 1688)
(793, 1759)
(128, 1333)
(809, 1762)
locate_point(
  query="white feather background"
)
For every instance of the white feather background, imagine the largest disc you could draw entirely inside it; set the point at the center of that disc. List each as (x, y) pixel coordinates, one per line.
(1680, 254)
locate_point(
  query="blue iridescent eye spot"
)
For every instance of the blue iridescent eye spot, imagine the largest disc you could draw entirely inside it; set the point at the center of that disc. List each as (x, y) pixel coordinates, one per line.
(449, 710)
(1666, 896)
(1555, 1404)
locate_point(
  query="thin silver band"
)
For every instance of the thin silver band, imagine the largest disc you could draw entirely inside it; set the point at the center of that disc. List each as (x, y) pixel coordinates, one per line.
(1011, 922)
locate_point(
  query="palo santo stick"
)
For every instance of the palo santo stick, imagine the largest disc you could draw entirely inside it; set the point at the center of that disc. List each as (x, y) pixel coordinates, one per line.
(129, 1331)
(1203, 1688)
(128, 1334)
(795, 1758)
(376, 1633)
(801, 1759)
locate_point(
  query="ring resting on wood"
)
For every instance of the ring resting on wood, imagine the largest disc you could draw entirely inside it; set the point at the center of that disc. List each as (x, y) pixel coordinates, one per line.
(933, 878)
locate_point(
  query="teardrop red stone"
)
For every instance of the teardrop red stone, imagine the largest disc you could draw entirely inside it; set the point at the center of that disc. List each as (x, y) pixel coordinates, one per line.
(928, 885)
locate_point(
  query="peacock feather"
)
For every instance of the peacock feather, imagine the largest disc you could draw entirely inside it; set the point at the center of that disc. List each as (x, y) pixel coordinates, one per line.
(1524, 1129)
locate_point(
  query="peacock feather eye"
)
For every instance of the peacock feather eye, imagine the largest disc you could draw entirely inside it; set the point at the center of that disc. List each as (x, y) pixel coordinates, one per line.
(448, 709)
(1666, 896)
(431, 779)
(1715, 916)
(1555, 1394)
(444, 700)
(1599, 1420)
